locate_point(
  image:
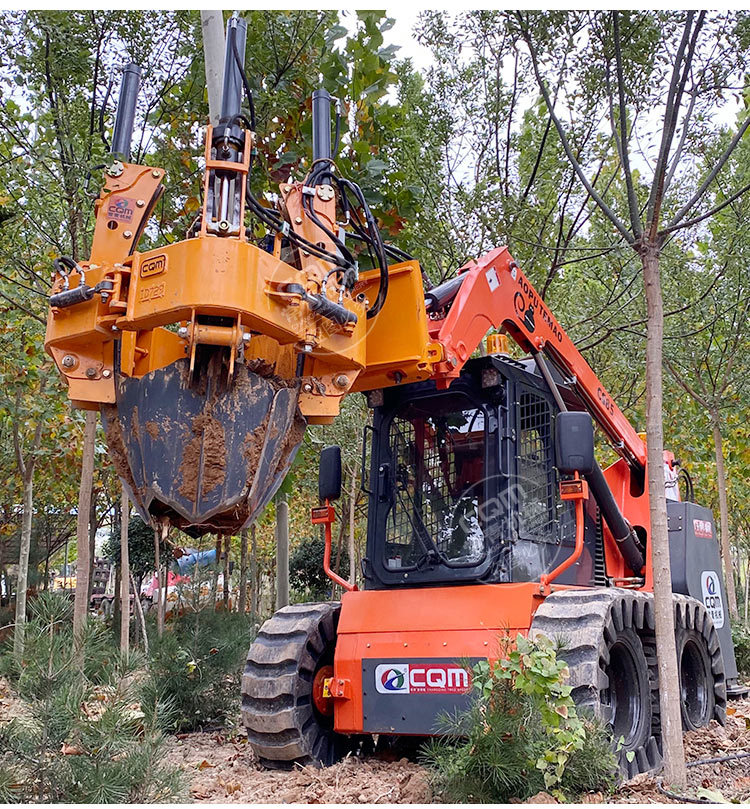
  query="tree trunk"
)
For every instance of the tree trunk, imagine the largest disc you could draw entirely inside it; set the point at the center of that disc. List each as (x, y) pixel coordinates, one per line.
(254, 578)
(225, 588)
(139, 612)
(116, 614)
(81, 604)
(282, 552)
(721, 479)
(669, 683)
(215, 577)
(160, 589)
(92, 540)
(242, 595)
(352, 515)
(19, 632)
(747, 585)
(164, 600)
(124, 576)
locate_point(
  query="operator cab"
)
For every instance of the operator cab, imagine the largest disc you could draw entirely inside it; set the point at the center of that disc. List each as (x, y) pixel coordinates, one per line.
(463, 486)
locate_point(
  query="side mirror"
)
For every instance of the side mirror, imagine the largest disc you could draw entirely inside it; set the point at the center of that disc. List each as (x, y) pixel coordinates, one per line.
(329, 474)
(574, 443)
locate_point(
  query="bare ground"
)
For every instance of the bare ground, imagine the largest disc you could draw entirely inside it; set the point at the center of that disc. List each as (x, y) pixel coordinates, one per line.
(221, 769)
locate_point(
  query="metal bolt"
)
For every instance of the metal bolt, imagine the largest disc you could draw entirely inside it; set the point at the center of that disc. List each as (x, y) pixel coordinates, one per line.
(325, 192)
(341, 381)
(307, 348)
(307, 387)
(445, 643)
(140, 203)
(305, 253)
(68, 361)
(127, 234)
(182, 332)
(115, 329)
(223, 225)
(106, 373)
(246, 337)
(298, 220)
(155, 173)
(91, 373)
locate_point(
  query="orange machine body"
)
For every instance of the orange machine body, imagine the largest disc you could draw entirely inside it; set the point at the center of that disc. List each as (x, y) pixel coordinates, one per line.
(420, 627)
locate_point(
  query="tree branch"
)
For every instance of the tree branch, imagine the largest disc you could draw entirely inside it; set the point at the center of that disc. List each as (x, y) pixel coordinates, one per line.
(712, 175)
(671, 110)
(606, 210)
(635, 219)
(684, 385)
(671, 228)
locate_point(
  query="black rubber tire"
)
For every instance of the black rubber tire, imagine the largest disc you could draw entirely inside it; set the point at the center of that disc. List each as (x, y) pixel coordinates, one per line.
(602, 634)
(626, 699)
(283, 726)
(701, 665)
(696, 680)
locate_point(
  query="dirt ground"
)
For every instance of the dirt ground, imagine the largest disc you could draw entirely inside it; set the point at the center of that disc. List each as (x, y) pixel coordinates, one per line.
(221, 769)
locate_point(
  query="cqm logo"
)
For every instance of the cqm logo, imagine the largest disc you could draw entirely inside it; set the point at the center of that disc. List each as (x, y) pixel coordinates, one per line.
(711, 587)
(392, 678)
(426, 678)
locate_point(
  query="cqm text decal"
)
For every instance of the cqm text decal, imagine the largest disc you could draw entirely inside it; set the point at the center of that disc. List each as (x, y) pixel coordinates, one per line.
(429, 678)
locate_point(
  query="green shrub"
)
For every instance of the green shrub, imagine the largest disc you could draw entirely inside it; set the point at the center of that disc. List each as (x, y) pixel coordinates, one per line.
(80, 737)
(306, 574)
(196, 667)
(522, 734)
(741, 638)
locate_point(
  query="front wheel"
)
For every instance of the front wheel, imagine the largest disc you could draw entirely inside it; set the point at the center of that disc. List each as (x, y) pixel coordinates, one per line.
(287, 718)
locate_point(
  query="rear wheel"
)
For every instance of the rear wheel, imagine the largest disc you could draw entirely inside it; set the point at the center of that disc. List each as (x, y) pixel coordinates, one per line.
(288, 720)
(696, 680)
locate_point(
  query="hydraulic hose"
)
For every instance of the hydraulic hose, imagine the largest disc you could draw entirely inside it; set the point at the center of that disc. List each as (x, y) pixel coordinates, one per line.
(624, 535)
